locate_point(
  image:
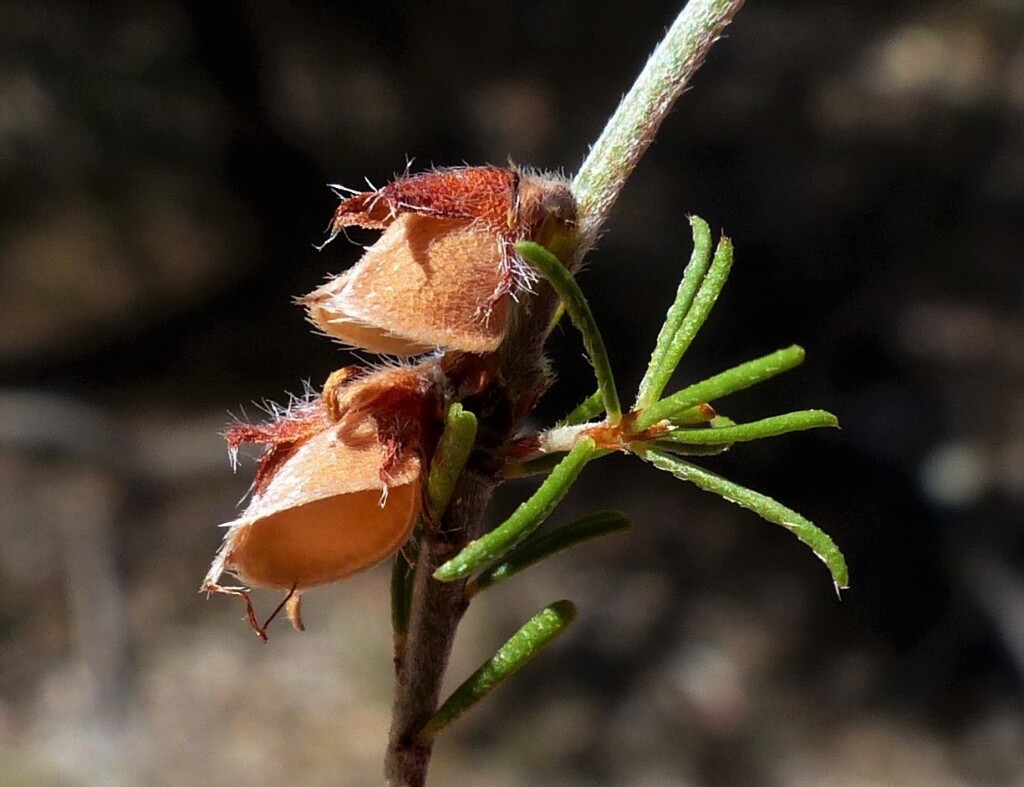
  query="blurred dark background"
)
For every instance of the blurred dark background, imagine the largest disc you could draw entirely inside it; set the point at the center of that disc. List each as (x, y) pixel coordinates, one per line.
(164, 170)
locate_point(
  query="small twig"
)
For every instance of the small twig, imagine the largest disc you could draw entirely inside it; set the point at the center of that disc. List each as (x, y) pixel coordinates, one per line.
(434, 617)
(635, 123)
(437, 607)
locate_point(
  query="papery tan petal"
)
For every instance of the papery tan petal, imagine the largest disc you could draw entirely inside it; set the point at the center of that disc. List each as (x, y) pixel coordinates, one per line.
(320, 519)
(426, 283)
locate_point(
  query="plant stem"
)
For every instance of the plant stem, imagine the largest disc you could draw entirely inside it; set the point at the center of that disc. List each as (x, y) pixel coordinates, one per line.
(437, 607)
(635, 123)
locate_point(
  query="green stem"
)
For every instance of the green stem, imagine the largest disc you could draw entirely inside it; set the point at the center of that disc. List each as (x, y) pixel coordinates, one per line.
(630, 131)
(527, 518)
(579, 312)
(762, 505)
(727, 382)
(526, 643)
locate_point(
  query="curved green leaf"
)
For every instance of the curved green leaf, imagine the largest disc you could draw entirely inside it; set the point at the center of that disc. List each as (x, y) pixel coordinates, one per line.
(522, 646)
(762, 505)
(524, 520)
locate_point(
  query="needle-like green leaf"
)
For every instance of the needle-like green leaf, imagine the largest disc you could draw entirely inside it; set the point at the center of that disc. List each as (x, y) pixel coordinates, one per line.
(453, 450)
(524, 520)
(755, 430)
(526, 643)
(579, 312)
(692, 416)
(729, 381)
(672, 341)
(589, 408)
(762, 505)
(401, 597)
(540, 547)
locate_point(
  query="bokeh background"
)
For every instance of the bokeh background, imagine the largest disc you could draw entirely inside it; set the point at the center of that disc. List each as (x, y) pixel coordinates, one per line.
(164, 167)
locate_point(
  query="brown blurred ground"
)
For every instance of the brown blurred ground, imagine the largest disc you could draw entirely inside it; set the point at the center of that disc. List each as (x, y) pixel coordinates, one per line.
(163, 170)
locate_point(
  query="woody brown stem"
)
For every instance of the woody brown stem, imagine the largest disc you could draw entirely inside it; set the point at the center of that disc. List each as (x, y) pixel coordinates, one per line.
(437, 608)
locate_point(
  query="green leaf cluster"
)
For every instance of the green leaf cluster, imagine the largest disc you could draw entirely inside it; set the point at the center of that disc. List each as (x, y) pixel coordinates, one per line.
(660, 429)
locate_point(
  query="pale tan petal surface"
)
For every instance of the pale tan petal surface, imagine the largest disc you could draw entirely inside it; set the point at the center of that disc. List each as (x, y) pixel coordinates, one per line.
(320, 519)
(426, 283)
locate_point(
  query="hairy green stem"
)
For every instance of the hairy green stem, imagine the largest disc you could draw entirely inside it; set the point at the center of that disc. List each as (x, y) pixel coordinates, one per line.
(639, 115)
